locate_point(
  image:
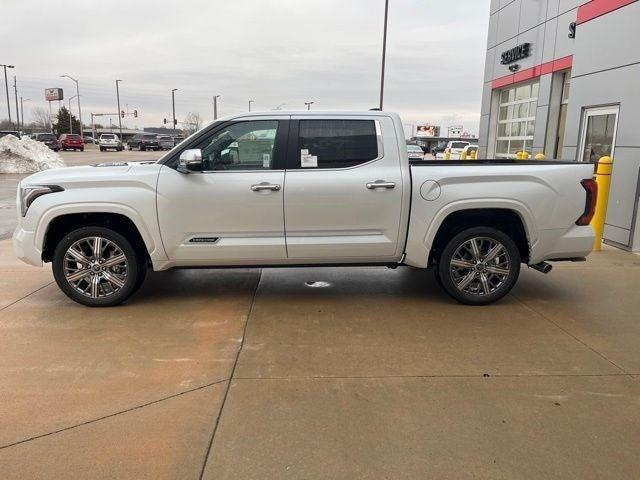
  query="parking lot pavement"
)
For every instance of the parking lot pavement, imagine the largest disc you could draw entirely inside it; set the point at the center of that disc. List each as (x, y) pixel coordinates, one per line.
(377, 375)
(91, 156)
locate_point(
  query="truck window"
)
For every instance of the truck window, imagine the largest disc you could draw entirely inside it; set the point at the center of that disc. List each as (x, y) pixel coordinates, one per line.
(241, 146)
(336, 143)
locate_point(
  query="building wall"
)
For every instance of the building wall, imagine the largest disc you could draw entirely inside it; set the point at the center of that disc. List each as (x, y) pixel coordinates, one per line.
(604, 59)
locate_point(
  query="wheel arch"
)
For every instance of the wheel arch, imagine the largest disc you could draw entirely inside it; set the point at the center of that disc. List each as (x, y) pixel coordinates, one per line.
(59, 225)
(510, 221)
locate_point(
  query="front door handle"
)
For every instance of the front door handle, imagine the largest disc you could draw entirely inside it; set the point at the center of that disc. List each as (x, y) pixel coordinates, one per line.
(380, 184)
(265, 186)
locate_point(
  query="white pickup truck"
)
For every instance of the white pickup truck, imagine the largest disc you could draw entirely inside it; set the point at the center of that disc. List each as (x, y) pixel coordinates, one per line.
(303, 188)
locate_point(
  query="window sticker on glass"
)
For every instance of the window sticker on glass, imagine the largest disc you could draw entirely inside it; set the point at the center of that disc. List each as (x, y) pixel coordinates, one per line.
(307, 160)
(266, 160)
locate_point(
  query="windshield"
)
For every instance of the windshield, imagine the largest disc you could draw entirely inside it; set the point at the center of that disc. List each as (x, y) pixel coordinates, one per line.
(414, 148)
(165, 138)
(73, 137)
(108, 137)
(459, 144)
(46, 136)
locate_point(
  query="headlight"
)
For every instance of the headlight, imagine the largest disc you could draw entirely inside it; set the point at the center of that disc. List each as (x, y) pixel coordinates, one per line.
(29, 193)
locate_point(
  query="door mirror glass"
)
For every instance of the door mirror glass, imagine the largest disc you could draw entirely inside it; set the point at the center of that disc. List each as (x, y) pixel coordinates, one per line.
(190, 161)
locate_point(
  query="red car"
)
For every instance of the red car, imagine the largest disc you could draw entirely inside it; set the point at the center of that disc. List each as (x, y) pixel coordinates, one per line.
(71, 141)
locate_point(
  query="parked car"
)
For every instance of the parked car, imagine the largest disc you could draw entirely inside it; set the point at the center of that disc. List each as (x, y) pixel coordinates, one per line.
(9, 132)
(110, 141)
(351, 197)
(143, 141)
(49, 139)
(415, 152)
(454, 148)
(165, 142)
(71, 141)
(88, 139)
(177, 140)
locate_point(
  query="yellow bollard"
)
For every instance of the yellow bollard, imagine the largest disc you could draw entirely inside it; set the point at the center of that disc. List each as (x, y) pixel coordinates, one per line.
(474, 154)
(447, 155)
(463, 155)
(540, 156)
(603, 179)
(525, 155)
(518, 155)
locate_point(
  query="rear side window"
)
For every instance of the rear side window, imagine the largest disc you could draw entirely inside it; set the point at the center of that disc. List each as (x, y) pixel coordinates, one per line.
(336, 143)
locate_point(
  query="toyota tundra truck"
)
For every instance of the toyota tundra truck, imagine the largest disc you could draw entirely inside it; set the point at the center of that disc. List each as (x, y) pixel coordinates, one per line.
(303, 189)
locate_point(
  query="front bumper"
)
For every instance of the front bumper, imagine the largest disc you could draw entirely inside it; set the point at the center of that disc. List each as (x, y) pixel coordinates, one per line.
(24, 247)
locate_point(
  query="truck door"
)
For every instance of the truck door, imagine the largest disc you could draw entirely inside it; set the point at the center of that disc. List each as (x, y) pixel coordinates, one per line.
(343, 195)
(232, 211)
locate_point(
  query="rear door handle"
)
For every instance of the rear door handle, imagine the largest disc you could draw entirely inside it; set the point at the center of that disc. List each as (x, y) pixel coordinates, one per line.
(265, 186)
(380, 184)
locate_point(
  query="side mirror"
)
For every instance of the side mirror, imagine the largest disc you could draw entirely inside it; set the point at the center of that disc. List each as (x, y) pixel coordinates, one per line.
(190, 161)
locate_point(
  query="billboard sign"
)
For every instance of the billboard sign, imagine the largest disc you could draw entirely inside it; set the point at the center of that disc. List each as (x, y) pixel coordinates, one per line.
(53, 94)
(455, 131)
(427, 130)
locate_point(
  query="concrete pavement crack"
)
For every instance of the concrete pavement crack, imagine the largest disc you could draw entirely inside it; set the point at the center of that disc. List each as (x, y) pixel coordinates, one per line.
(27, 295)
(127, 410)
(233, 369)
(601, 355)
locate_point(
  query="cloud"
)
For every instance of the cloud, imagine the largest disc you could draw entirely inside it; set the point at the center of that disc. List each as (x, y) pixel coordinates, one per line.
(272, 51)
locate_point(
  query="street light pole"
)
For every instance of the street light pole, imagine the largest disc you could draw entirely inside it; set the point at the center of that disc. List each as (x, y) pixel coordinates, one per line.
(6, 88)
(70, 122)
(119, 116)
(308, 104)
(215, 106)
(384, 50)
(22, 110)
(250, 102)
(173, 107)
(79, 109)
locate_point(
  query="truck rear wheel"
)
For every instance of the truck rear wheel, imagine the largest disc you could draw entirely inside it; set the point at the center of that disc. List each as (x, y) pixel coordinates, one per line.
(479, 266)
(97, 267)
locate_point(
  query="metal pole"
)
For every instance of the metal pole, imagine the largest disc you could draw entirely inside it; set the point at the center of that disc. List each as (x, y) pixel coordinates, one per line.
(15, 91)
(173, 107)
(250, 102)
(93, 128)
(308, 104)
(22, 113)
(384, 51)
(50, 122)
(6, 88)
(119, 116)
(215, 107)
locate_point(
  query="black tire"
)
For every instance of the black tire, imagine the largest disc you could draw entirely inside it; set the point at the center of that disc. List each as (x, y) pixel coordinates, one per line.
(135, 273)
(481, 279)
(141, 147)
(101, 149)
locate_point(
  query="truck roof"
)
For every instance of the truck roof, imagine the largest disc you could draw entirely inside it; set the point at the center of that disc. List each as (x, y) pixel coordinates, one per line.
(312, 113)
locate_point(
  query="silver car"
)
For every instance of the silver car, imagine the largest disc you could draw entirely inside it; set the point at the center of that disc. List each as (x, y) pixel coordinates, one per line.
(165, 142)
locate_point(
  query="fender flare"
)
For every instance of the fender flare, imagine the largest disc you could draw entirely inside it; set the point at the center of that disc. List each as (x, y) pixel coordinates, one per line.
(93, 207)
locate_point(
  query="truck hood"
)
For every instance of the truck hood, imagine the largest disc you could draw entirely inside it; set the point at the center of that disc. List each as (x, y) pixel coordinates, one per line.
(101, 172)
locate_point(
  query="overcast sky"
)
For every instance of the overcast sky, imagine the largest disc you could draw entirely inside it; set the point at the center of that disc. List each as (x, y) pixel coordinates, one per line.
(280, 53)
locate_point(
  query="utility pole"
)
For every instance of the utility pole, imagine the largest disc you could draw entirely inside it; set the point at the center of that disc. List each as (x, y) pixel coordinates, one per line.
(22, 110)
(384, 51)
(173, 107)
(79, 109)
(119, 116)
(215, 106)
(6, 88)
(308, 104)
(250, 102)
(15, 91)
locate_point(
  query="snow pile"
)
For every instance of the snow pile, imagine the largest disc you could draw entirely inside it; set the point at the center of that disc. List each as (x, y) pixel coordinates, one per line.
(26, 156)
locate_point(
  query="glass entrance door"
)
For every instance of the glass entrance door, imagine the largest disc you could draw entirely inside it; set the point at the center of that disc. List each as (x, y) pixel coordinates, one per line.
(598, 133)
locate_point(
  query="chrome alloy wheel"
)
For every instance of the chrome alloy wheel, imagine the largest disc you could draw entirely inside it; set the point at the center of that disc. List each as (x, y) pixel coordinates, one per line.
(480, 265)
(95, 267)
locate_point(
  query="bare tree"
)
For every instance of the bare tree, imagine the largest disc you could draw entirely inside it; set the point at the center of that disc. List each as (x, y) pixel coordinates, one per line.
(40, 118)
(192, 123)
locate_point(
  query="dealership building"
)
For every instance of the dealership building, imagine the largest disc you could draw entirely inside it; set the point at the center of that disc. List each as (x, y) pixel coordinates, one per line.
(562, 78)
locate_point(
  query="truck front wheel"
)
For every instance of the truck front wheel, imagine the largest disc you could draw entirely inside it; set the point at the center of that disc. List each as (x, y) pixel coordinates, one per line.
(97, 267)
(478, 266)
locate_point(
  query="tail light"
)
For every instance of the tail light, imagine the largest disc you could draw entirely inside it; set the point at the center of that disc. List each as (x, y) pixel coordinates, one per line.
(591, 188)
